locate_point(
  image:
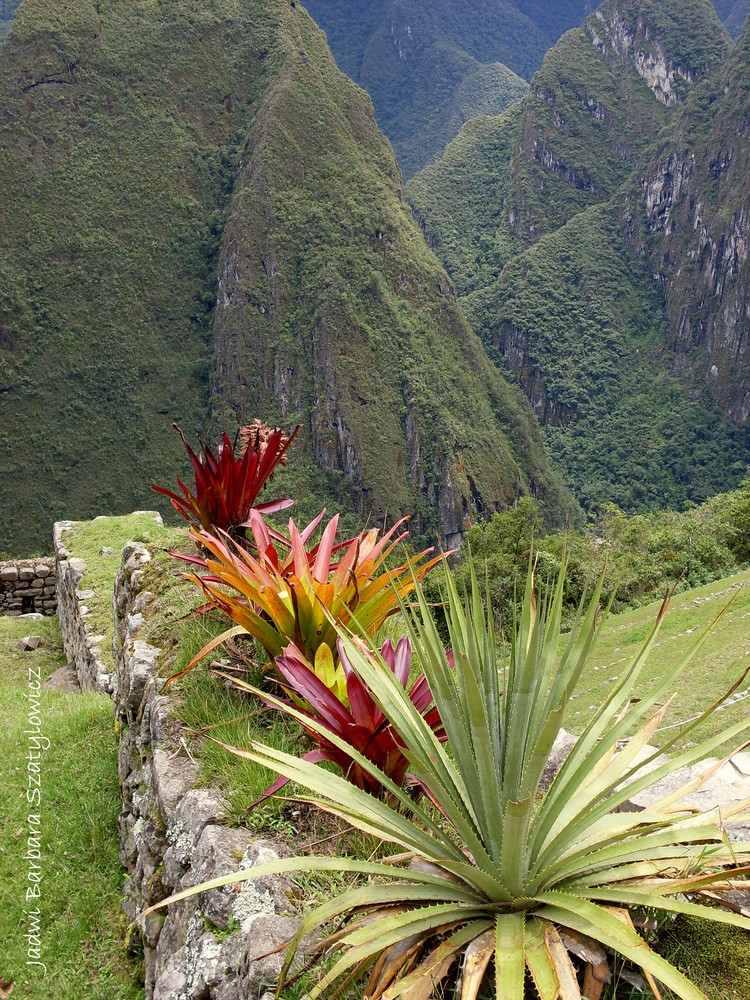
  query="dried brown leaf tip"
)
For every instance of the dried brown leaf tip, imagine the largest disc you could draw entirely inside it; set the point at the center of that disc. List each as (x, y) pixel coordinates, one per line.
(257, 434)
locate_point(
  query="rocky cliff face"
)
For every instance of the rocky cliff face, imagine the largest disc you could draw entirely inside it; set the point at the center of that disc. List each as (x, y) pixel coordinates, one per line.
(695, 200)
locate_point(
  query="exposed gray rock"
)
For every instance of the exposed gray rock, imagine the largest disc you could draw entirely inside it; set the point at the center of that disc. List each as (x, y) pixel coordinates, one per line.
(563, 745)
(729, 785)
(173, 778)
(64, 681)
(29, 643)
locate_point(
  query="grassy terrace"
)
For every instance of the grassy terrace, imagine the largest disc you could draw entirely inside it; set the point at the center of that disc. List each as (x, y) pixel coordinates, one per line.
(80, 926)
(721, 661)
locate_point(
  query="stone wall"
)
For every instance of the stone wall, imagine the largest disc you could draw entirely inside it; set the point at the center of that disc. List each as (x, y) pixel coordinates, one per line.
(27, 586)
(82, 647)
(172, 836)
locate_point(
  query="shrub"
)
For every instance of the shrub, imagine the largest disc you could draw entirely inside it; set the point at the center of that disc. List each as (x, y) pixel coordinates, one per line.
(343, 705)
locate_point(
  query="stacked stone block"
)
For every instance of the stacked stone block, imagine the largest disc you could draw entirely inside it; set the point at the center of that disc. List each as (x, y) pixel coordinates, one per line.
(28, 586)
(173, 834)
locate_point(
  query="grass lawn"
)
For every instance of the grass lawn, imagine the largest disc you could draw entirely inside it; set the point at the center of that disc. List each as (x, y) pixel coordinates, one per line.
(80, 927)
(716, 667)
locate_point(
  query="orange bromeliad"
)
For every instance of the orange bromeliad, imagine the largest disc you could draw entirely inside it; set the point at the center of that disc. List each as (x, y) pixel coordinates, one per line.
(289, 592)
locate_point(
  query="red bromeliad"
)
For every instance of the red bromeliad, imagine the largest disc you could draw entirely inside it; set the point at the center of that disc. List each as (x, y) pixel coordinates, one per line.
(355, 717)
(227, 485)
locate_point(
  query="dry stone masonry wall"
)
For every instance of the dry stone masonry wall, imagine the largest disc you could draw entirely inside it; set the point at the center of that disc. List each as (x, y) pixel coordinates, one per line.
(211, 947)
(82, 647)
(27, 586)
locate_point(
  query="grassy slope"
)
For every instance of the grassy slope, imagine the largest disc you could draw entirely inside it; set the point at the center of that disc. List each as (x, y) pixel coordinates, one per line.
(80, 902)
(718, 665)
(520, 210)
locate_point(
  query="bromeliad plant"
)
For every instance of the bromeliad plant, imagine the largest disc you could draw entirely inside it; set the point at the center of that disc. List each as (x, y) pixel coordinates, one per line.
(227, 486)
(294, 592)
(351, 714)
(505, 880)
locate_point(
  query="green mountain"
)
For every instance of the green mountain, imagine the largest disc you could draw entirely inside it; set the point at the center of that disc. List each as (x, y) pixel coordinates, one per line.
(199, 220)
(429, 67)
(575, 267)
(734, 14)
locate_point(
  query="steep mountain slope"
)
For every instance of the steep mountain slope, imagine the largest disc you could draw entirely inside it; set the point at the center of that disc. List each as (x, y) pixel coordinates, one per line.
(690, 214)
(528, 212)
(146, 148)
(734, 14)
(429, 67)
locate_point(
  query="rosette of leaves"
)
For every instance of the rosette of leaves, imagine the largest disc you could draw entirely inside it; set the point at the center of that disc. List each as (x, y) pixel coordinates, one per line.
(348, 711)
(227, 485)
(502, 883)
(295, 592)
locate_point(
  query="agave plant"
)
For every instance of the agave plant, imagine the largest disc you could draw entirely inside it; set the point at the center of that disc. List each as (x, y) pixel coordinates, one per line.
(503, 882)
(227, 485)
(351, 713)
(295, 592)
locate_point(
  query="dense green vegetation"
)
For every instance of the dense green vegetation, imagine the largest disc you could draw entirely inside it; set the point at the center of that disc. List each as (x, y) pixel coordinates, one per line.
(645, 554)
(528, 211)
(121, 131)
(488, 763)
(80, 920)
(734, 14)
(429, 67)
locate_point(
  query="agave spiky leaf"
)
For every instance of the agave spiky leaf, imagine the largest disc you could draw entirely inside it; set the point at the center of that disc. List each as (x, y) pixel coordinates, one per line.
(294, 591)
(227, 486)
(511, 880)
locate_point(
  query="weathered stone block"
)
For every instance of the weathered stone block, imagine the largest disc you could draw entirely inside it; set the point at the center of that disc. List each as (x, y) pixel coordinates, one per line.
(173, 778)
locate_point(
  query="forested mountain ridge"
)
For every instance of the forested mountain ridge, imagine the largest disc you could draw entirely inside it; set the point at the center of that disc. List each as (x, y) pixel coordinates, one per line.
(429, 67)
(155, 155)
(689, 213)
(528, 212)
